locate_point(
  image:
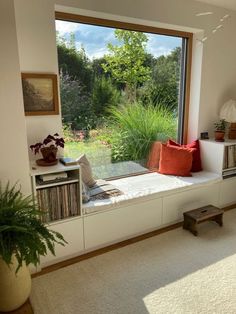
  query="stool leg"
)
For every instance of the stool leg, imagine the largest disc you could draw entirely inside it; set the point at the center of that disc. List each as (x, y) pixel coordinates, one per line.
(219, 219)
(190, 225)
(186, 224)
(193, 228)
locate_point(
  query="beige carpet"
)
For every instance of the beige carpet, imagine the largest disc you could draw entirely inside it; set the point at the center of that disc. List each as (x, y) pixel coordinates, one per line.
(171, 273)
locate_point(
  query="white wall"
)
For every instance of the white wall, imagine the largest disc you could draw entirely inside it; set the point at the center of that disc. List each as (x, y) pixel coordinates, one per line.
(38, 54)
(13, 146)
(218, 82)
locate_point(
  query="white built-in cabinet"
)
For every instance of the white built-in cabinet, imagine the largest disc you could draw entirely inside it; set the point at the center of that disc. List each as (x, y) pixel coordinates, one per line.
(176, 204)
(72, 231)
(220, 157)
(122, 223)
(57, 190)
(88, 232)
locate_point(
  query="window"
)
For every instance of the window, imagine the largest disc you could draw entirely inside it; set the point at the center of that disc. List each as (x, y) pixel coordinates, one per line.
(122, 87)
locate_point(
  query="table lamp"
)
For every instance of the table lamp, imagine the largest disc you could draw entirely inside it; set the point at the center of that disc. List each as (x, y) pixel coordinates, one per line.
(228, 112)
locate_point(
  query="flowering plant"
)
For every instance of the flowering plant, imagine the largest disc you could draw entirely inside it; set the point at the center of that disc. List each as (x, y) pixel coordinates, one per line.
(54, 140)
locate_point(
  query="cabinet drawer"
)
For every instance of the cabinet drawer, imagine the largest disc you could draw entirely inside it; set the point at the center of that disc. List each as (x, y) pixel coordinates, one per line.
(116, 225)
(72, 232)
(228, 192)
(175, 205)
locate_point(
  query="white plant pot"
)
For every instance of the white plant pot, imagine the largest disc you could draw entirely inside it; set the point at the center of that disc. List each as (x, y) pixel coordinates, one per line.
(14, 287)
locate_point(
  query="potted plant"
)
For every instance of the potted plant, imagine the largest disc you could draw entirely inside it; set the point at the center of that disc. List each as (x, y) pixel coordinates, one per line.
(220, 127)
(48, 148)
(23, 239)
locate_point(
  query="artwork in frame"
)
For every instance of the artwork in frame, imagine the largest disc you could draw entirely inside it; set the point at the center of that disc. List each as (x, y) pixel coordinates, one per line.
(40, 93)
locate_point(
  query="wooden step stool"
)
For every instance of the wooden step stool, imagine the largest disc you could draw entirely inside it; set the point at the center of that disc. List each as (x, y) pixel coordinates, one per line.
(205, 213)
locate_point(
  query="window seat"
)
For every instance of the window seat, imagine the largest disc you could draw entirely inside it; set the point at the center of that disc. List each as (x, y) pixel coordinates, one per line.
(150, 186)
(150, 202)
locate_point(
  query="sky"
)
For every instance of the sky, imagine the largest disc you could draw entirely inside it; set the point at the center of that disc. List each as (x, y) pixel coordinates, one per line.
(94, 39)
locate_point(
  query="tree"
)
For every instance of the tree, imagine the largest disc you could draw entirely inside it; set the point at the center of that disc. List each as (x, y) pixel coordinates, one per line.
(76, 106)
(104, 96)
(163, 88)
(74, 62)
(166, 75)
(126, 61)
(98, 69)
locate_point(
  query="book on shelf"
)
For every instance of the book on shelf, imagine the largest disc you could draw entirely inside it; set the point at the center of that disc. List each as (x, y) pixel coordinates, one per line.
(225, 158)
(229, 172)
(68, 161)
(229, 157)
(53, 176)
(59, 202)
(231, 161)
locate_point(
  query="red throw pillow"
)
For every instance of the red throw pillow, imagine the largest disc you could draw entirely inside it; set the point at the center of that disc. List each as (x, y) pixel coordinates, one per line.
(176, 160)
(197, 163)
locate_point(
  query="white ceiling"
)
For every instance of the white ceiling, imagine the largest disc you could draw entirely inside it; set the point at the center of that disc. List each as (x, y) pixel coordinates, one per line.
(228, 4)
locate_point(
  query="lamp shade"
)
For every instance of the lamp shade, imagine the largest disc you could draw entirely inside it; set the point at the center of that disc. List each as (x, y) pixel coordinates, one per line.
(228, 111)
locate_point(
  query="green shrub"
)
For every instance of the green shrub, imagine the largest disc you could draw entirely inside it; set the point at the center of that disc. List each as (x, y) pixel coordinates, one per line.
(104, 95)
(135, 127)
(68, 134)
(76, 105)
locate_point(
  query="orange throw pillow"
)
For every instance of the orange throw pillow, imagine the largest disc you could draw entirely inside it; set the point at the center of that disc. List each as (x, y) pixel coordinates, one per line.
(197, 164)
(176, 160)
(154, 156)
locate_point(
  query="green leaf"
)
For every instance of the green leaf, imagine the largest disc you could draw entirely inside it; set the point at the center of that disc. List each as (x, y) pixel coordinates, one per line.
(21, 231)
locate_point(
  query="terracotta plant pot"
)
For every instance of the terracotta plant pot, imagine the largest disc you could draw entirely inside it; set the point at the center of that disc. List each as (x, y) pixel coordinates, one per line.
(219, 136)
(15, 287)
(49, 153)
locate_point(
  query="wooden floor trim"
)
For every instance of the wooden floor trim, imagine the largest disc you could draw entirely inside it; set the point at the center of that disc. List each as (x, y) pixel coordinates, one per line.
(105, 250)
(229, 207)
(112, 247)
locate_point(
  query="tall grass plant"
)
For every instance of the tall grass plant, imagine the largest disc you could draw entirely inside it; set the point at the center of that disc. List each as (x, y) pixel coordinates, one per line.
(135, 127)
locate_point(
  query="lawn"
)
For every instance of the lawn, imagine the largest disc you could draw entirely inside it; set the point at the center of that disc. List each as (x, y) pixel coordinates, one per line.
(99, 156)
(97, 153)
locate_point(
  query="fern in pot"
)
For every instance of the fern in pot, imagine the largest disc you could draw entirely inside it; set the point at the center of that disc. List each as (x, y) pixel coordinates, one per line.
(23, 239)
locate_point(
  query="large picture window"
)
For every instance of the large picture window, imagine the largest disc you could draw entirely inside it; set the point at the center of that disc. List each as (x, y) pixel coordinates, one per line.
(123, 86)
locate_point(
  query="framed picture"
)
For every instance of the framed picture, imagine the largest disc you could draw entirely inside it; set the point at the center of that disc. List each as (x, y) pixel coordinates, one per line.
(40, 94)
(204, 136)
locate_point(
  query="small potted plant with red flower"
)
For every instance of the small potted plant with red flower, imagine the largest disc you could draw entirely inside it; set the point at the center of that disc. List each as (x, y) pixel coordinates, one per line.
(48, 149)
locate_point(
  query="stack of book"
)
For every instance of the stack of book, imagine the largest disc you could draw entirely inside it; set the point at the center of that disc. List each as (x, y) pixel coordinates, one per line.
(229, 167)
(59, 202)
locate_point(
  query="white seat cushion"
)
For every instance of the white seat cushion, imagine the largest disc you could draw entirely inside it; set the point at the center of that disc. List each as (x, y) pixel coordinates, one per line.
(149, 186)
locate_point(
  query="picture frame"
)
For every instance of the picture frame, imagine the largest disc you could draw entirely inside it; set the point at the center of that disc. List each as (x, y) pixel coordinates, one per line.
(40, 93)
(204, 136)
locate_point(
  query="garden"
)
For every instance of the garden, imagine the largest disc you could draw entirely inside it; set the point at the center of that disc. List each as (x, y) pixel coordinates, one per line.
(114, 107)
